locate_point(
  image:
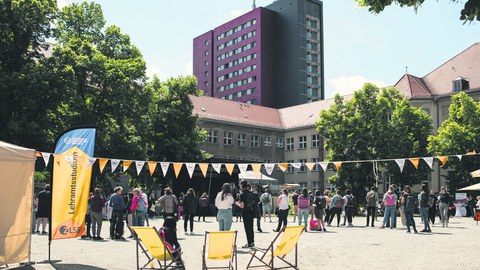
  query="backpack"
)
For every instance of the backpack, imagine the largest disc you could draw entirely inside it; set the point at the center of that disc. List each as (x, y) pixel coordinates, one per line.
(431, 201)
(410, 203)
(266, 199)
(249, 200)
(390, 199)
(371, 199)
(320, 202)
(203, 202)
(140, 204)
(339, 203)
(351, 201)
(303, 202)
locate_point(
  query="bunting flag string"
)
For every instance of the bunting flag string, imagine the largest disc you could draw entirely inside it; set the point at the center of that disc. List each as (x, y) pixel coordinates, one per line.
(46, 158)
(230, 167)
(203, 168)
(190, 168)
(459, 157)
(310, 165)
(139, 166)
(269, 168)
(164, 166)
(152, 165)
(429, 161)
(115, 163)
(324, 165)
(296, 165)
(283, 166)
(242, 167)
(126, 164)
(414, 161)
(256, 167)
(443, 160)
(177, 167)
(400, 163)
(338, 165)
(102, 162)
(91, 161)
(217, 167)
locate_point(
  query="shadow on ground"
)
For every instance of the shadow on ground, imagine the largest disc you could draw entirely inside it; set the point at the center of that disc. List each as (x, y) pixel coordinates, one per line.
(64, 266)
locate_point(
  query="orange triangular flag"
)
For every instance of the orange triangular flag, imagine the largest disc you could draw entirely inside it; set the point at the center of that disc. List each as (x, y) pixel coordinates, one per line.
(126, 164)
(38, 154)
(230, 168)
(282, 166)
(177, 167)
(443, 160)
(337, 165)
(203, 168)
(102, 162)
(471, 153)
(152, 165)
(414, 162)
(256, 169)
(310, 165)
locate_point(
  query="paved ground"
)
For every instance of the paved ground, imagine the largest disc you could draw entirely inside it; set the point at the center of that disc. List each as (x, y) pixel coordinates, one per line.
(345, 247)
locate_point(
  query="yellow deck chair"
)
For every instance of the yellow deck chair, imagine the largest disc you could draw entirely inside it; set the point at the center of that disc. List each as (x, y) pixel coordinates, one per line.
(289, 241)
(221, 246)
(153, 246)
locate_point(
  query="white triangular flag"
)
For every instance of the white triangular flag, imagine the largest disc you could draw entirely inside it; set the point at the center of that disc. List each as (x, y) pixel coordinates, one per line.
(324, 165)
(46, 158)
(296, 165)
(69, 160)
(243, 168)
(190, 168)
(91, 161)
(269, 167)
(400, 163)
(217, 167)
(459, 157)
(139, 165)
(429, 161)
(164, 166)
(114, 163)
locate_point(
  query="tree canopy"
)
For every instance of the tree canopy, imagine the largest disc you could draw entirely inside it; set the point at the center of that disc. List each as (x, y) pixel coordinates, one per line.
(470, 12)
(374, 124)
(458, 135)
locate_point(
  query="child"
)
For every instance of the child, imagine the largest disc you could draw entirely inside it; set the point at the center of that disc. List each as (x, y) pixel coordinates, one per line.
(169, 234)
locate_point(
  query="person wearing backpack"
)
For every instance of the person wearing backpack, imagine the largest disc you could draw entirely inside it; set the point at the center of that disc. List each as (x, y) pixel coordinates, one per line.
(336, 206)
(389, 200)
(303, 207)
(203, 203)
(320, 203)
(424, 208)
(409, 205)
(246, 203)
(372, 199)
(137, 208)
(266, 200)
(349, 206)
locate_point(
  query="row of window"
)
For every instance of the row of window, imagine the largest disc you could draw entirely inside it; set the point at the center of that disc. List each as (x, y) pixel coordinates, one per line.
(237, 73)
(312, 68)
(236, 29)
(236, 40)
(312, 46)
(312, 79)
(312, 23)
(303, 167)
(312, 57)
(312, 34)
(236, 51)
(241, 94)
(228, 139)
(237, 61)
(302, 142)
(313, 92)
(236, 84)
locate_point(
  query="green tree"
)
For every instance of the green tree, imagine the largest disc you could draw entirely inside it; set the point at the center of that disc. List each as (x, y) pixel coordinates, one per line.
(470, 12)
(458, 135)
(374, 125)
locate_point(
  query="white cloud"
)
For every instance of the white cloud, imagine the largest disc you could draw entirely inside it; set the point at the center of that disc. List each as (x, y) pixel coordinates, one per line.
(231, 15)
(62, 3)
(153, 70)
(345, 85)
(189, 68)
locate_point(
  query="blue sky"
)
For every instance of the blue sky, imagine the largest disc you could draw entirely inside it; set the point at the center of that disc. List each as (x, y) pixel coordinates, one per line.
(359, 46)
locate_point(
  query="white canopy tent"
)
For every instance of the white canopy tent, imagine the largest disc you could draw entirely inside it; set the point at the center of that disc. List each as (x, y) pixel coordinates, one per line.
(471, 188)
(251, 176)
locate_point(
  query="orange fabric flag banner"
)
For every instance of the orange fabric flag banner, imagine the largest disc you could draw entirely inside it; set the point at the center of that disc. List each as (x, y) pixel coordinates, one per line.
(203, 168)
(230, 168)
(126, 164)
(256, 169)
(102, 162)
(152, 165)
(310, 165)
(414, 162)
(283, 166)
(177, 167)
(338, 165)
(443, 160)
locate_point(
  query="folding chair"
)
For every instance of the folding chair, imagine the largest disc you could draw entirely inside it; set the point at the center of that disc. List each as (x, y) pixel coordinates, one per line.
(154, 248)
(288, 242)
(221, 246)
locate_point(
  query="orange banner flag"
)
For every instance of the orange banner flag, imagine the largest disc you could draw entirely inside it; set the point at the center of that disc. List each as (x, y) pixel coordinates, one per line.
(283, 166)
(310, 165)
(126, 164)
(152, 165)
(443, 160)
(102, 162)
(177, 167)
(256, 167)
(414, 162)
(338, 165)
(203, 168)
(230, 168)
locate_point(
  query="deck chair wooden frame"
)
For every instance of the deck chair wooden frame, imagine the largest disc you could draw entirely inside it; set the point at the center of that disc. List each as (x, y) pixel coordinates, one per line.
(232, 257)
(266, 256)
(167, 261)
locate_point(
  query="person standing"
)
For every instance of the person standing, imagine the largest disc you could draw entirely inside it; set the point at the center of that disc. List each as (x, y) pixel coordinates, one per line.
(116, 222)
(151, 206)
(409, 205)
(283, 208)
(246, 203)
(169, 203)
(328, 200)
(444, 200)
(319, 203)
(129, 212)
(295, 204)
(88, 219)
(44, 208)
(432, 206)
(224, 202)
(203, 202)
(138, 208)
(372, 199)
(349, 207)
(424, 208)
(190, 203)
(266, 200)
(336, 206)
(390, 201)
(256, 208)
(303, 207)
(97, 202)
(145, 202)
